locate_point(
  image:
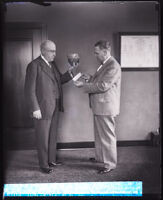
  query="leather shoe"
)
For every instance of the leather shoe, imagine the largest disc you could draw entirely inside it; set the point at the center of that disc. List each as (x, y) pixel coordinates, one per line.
(46, 170)
(92, 159)
(104, 171)
(54, 164)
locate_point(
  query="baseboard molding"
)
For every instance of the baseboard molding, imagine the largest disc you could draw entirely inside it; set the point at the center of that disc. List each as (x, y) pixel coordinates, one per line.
(75, 145)
(134, 143)
(78, 145)
(24, 139)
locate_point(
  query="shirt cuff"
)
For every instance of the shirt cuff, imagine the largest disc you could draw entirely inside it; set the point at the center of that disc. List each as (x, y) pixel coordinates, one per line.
(71, 74)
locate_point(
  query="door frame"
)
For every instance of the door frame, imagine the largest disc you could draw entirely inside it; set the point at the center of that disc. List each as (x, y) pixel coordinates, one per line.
(18, 134)
(26, 26)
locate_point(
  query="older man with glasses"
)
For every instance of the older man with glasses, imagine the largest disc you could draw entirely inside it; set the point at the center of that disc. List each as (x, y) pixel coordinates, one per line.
(43, 90)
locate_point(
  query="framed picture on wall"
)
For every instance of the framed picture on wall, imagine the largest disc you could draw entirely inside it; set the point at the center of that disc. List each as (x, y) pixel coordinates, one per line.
(139, 51)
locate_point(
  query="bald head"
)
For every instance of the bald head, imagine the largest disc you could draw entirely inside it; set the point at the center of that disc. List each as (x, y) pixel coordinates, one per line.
(48, 50)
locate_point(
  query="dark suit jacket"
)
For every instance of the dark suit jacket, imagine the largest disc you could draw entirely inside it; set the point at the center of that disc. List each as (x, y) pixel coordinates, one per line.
(104, 89)
(41, 86)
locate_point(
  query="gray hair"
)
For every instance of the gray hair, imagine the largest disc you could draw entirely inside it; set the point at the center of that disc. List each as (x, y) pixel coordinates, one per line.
(103, 44)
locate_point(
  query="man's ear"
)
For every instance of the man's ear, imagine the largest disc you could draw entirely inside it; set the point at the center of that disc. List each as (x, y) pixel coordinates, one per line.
(105, 52)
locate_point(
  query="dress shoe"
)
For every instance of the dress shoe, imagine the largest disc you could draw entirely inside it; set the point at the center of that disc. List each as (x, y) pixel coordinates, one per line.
(46, 170)
(104, 170)
(54, 164)
(92, 159)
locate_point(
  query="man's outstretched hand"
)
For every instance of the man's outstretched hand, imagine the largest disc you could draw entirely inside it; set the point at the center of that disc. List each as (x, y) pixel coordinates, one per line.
(78, 83)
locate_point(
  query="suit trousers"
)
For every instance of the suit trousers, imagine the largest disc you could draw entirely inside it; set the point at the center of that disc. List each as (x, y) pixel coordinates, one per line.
(46, 138)
(105, 140)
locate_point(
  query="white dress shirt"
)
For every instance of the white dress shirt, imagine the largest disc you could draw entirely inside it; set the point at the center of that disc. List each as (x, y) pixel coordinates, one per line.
(45, 60)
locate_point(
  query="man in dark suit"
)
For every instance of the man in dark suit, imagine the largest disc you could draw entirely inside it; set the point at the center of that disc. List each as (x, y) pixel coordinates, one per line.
(44, 96)
(104, 93)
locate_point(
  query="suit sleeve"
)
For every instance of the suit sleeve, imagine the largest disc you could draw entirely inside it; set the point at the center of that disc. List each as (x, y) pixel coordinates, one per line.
(65, 77)
(30, 87)
(105, 83)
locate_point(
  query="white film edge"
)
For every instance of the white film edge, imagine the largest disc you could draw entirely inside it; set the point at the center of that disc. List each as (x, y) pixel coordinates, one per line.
(77, 76)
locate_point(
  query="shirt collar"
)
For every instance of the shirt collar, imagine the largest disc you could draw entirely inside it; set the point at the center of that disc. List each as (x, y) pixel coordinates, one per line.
(45, 60)
(106, 60)
(104, 63)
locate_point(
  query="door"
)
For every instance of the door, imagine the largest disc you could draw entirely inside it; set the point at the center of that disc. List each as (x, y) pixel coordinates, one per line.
(22, 45)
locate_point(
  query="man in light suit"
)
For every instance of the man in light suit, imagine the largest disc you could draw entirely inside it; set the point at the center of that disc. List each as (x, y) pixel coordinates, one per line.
(104, 93)
(43, 90)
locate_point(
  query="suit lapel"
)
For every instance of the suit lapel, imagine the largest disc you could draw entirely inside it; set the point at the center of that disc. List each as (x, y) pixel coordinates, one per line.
(45, 68)
(102, 68)
(55, 71)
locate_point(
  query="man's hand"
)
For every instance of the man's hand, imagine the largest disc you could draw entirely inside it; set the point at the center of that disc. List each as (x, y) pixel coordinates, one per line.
(86, 77)
(78, 83)
(37, 114)
(75, 64)
(73, 69)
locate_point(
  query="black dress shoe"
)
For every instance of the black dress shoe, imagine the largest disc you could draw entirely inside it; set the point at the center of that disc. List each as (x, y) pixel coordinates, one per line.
(92, 159)
(46, 170)
(104, 170)
(54, 164)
